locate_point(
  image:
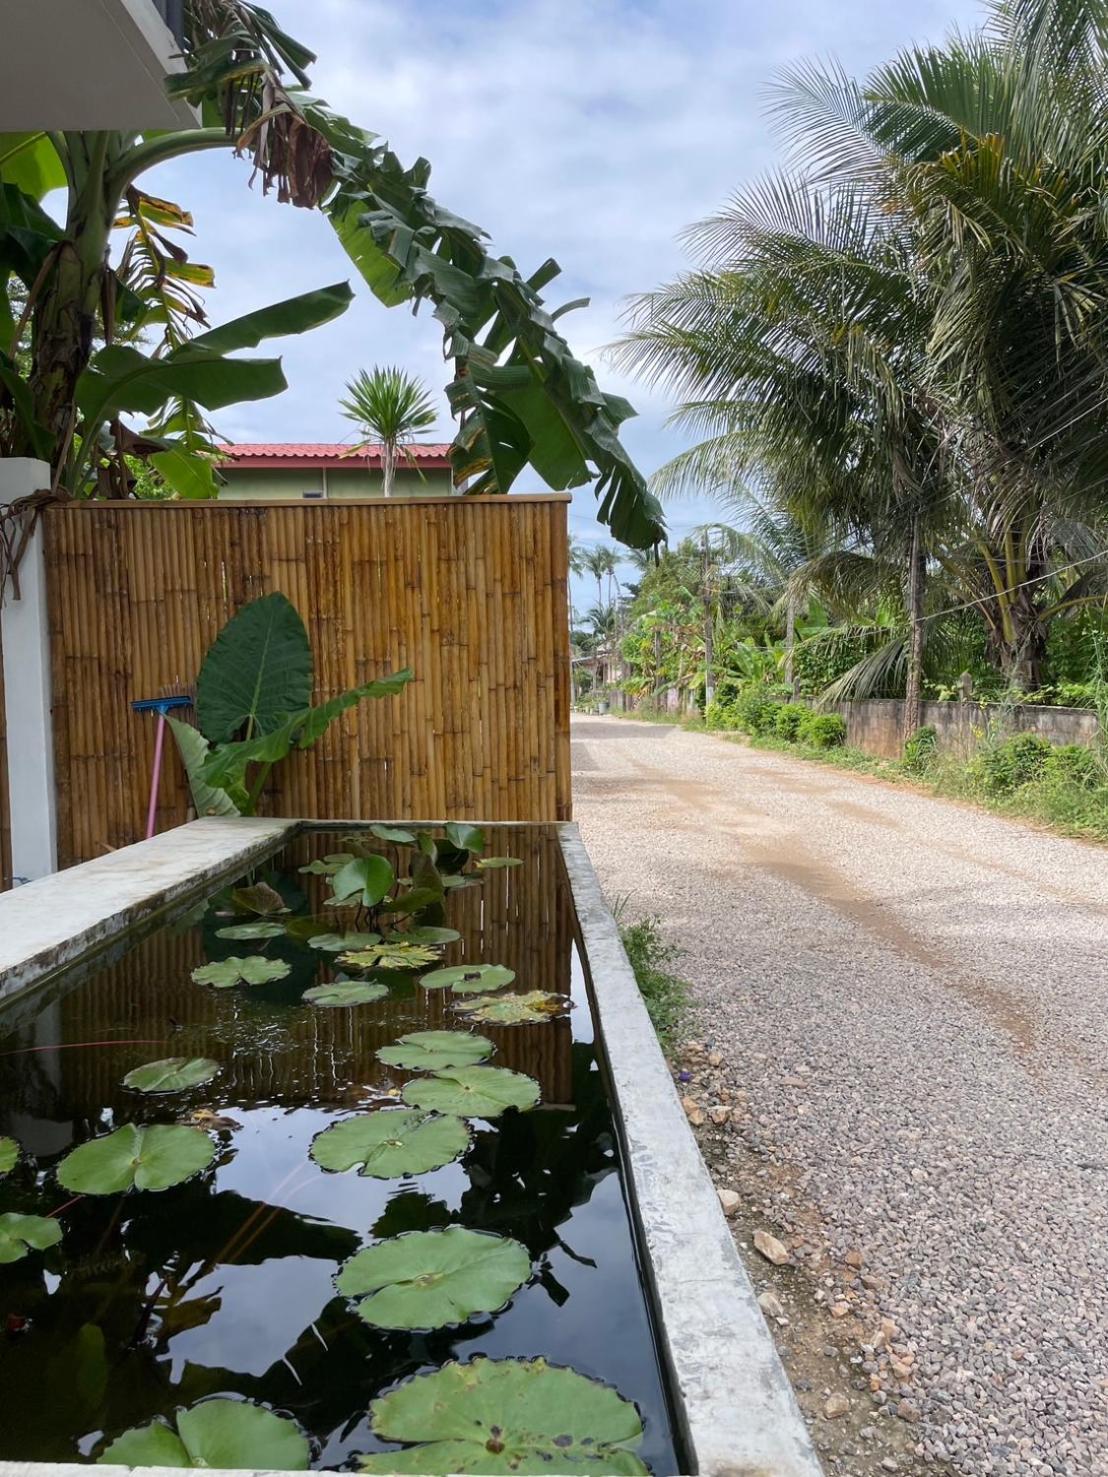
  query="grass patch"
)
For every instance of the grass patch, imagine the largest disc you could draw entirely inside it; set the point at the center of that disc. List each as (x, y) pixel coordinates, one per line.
(665, 994)
(1063, 804)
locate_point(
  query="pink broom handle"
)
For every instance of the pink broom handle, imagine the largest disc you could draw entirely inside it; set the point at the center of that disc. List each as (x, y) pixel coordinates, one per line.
(155, 778)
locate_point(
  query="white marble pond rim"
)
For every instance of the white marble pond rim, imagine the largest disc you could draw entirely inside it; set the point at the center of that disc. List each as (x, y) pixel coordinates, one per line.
(735, 1409)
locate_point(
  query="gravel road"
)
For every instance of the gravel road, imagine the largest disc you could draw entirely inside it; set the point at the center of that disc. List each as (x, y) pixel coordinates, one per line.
(914, 996)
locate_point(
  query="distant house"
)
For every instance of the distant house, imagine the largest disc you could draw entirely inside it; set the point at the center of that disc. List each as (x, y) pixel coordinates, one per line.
(257, 471)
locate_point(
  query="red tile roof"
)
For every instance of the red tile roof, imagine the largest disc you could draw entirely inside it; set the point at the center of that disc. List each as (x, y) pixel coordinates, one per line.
(332, 455)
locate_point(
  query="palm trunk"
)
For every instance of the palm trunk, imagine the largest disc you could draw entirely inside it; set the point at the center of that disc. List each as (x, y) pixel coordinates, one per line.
(790, 642)
(388, 466)
(72, 291)
(917, 576)
(709, 659)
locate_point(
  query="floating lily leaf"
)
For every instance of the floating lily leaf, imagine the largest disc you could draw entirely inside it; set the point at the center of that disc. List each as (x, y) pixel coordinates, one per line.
(473, 1092)
(394, 833)
(391, 955)
(365, 880)
(412, 901)
(515, 1010)
(258, 930)
(261, 899)
(433, 1279)
(455, 881)
(465, 837)
(148, 1158)
(435, 1051)
(215, 1433)
(329, 865)
(9, 1154)
(506, 1416)
(334, 943)
(493, 863)
(469, 979)
(391, 1142)
(426, 935)
(253, 970)
(20, 1234)
(346, 992)
(172, 1074)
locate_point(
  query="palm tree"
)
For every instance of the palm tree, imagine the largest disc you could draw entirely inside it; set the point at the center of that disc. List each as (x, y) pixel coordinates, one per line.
(898, 341)
(391, 408)
(601, 562)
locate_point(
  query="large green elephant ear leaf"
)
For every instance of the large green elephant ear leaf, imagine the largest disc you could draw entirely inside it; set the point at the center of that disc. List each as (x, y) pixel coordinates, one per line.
(194, 748)
(434, 1279)
(230, 1434)
(257, 671)
(20, 1234)
(506, 1415)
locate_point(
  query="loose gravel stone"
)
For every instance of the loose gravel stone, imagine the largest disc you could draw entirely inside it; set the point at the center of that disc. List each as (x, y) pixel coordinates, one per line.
(909, 998)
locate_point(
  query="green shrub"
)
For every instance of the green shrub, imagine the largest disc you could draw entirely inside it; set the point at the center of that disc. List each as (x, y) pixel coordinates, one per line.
(665, 996)
(788, 718)
(919, 749)
(1079, 695)
(1074, 764)
(822, 730)
(756, 708)
(1019, 760)
(721, 715)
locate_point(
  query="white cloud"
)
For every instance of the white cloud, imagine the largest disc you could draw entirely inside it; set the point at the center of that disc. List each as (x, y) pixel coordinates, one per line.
(587, 130)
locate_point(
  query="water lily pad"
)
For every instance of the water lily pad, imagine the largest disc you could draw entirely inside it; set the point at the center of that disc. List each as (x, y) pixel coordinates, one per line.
(20, 1234)
(432, 1279)
(346, 992)
(215, 1433)
(172, 1074)
(328, 865)
(515, 1010)
(467, 979)
(495, 863)
(414, 900)
(465, 837)
(261, 899)
(428, 935)
(257, 930)
(9, 1155)
(390, 955)
(253, 970)
(364, 880)
(506, 1416)
(334, 943)
(434, 1051)
(151, 1158)
(391, 1142)
(473, 1092)
(394, 833)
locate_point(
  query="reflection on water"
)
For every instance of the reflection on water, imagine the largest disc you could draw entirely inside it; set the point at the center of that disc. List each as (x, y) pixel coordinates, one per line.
(223, 1285)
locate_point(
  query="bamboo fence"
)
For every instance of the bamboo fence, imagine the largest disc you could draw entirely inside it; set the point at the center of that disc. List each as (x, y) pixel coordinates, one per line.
(471, 593)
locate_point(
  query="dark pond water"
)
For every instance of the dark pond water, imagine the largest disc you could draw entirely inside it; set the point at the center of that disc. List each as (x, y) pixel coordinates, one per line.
(224, 1285)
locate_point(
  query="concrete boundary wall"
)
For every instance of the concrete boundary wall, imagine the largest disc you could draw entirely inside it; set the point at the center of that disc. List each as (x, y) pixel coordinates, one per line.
(874, 725)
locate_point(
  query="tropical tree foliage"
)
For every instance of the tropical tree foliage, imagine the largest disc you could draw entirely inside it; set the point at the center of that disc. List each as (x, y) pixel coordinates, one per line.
(66, 382)
(896, 344)
(390, 408)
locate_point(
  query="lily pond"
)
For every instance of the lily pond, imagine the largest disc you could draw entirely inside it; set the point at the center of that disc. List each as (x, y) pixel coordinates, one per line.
(321, 1171)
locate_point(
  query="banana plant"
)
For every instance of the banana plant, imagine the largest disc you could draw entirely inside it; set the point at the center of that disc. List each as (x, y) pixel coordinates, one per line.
(520, 395)
(254, 707)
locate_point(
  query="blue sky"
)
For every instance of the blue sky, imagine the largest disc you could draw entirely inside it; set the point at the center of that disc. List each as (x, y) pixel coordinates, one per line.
(587, 130)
